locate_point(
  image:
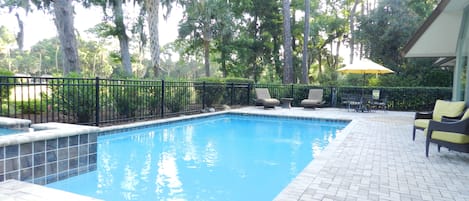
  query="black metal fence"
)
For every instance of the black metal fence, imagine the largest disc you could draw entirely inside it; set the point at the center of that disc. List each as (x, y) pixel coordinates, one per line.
(101, 102)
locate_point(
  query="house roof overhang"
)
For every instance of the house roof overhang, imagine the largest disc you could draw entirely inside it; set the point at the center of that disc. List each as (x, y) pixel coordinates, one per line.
(438, 35)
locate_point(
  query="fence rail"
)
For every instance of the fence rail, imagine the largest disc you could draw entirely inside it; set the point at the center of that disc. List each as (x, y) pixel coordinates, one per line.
(101, 102)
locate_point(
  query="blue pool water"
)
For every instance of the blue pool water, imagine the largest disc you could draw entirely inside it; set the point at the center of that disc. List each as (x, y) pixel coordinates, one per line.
(225, 157)
(6, 131)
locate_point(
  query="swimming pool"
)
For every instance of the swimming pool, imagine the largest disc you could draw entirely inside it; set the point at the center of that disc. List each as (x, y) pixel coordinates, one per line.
(7, 131)
(224, 157)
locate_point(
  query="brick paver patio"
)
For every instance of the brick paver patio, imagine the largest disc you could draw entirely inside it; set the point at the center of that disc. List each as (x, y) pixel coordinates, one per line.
(375, 159)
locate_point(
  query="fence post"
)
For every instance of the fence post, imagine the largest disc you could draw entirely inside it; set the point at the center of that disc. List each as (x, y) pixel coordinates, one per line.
(334, 96)
(203, 95)
(162, 99)
(97, 101)
(232, 93)
(249, 93)
(291, 92)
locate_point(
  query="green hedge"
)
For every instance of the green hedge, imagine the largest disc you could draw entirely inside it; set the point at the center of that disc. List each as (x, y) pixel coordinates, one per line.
(214, 90)
(76, 97)
(6, 84)
(240, 93)
(31, 106)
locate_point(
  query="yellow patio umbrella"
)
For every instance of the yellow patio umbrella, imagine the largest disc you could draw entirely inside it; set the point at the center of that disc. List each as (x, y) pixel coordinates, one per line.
(365, 66)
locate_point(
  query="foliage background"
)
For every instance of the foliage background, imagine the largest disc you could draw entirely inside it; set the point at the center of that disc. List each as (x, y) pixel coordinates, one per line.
(241, 38)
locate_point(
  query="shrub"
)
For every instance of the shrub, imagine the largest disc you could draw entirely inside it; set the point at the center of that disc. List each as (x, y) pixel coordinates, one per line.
(31, 106)
(240, 93)
(75, 96)
(6, 84)
(175, 98)
(125, 98)
(214, 90)
(154, 99)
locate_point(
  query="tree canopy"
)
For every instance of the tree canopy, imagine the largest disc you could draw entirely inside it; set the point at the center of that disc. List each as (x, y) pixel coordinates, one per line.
(240, 38)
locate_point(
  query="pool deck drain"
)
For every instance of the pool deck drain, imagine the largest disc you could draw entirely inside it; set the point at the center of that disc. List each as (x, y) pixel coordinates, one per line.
(373, 159)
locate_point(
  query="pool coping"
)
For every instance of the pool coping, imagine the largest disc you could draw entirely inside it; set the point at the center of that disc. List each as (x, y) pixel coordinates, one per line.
(46, 131)
(14, 123)
(12, 190)
(300, 183)
(140, 125)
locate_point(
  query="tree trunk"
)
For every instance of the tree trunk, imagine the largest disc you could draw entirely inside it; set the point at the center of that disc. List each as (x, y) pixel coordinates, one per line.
(277, 61)
(304, 63)
(336, 56)
(352, 29)
(153, 20)
(123, 38)
(63, 11)
(287, 44)
(206, 39)
(20, 34)
(57, 58)
(207, 57)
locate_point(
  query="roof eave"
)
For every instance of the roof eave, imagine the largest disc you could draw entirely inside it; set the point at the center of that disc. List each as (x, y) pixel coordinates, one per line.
(438, 10)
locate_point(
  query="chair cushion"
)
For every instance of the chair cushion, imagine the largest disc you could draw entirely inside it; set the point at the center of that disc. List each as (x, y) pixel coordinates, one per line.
(270, 102)
(447, 108)
(456, 138)
(421, 123)
(310, 102)
(315, 94)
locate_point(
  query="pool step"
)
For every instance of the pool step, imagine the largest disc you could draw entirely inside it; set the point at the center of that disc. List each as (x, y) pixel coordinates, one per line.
(13, 123)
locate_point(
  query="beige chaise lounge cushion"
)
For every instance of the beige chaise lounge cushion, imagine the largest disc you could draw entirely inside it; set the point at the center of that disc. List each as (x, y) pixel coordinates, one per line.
(314, 98)
(270, 102)
(263, 97)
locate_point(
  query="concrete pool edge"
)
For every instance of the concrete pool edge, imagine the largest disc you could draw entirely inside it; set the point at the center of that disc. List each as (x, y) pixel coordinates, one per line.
(12, 190)
(295, 189)
(15, 123)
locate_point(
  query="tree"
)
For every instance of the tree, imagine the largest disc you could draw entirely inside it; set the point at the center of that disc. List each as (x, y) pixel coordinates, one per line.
(383, 33)
(63, 11)
(198, 25)
(120, 29)
(352, 29)
(287, 44)
(46, 54)
(152, 9)
(6, 39)
(15, 5)
(305, 63)
(20, 34)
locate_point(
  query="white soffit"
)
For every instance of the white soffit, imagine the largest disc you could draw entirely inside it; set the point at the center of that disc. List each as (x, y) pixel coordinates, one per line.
(440, 39)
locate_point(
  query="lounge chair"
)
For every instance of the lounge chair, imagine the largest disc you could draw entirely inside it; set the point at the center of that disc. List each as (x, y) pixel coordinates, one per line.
(264, 99)
(454, 134)
(314, 99)
(442, 108)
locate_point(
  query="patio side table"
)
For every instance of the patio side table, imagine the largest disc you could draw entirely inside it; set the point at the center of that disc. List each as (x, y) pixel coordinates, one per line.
(286, 102)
